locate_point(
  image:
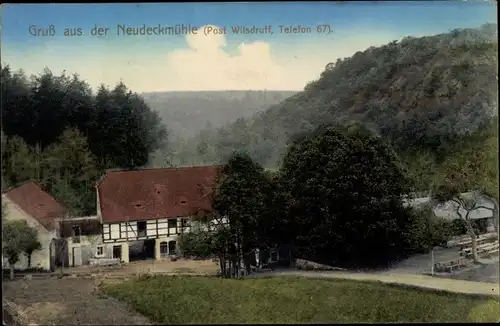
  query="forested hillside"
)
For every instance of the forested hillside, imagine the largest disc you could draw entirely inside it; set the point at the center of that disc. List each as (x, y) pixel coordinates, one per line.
(419, 94)
(56, 131)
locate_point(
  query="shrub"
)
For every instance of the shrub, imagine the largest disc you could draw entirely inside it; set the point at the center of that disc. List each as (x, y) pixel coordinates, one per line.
(195, 244)
(425, 231)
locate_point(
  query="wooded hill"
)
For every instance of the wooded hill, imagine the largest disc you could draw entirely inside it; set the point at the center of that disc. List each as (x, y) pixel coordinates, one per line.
(186, 113)
(420, 94)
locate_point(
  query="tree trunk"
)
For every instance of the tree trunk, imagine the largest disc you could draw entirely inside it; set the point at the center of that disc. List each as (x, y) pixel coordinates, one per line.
(11, 272)
(29, 260)
(470, 231)
(62, 260)
(221, 266)
(495, 214)
(474, 248)
(237, 256)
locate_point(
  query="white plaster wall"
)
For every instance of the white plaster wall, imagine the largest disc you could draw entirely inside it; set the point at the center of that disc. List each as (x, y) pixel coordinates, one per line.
(125, 250)
(95, 241)
(164, 239)
(87, 243)
(39, 258)
(99, 214)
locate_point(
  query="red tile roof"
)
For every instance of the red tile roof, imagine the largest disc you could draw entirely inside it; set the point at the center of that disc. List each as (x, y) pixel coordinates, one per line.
(156, 193)
(37, 203)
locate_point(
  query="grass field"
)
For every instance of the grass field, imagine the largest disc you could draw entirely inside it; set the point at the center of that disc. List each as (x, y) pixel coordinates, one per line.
(187, 300)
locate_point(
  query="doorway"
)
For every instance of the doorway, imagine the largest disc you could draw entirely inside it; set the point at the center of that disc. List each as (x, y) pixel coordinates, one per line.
(172, 247)
(77, 256)
(142, 250)
(163, 249)
(52, 255)
(117, 252)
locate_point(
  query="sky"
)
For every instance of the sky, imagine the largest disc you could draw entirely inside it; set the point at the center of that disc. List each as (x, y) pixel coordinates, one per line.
(274, 59)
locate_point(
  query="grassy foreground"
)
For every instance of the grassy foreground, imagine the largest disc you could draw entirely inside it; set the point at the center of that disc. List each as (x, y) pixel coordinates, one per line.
(188, 300)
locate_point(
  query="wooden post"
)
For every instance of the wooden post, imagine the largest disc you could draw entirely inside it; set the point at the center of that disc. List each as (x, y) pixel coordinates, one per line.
(432, 261)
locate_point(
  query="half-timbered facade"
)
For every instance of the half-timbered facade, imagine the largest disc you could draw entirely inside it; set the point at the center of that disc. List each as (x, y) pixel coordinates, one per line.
(152, 204)
(144, 230)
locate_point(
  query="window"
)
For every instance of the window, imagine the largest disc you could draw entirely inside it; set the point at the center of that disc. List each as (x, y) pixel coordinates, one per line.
(76, 234)
(100, 251)
(182, 200)
(141, 229)
(172, 223)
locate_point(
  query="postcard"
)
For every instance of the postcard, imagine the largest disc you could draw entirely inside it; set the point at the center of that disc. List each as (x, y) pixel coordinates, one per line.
(250, 162)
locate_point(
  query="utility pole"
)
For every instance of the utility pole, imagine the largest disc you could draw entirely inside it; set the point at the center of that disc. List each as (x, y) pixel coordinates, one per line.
(431, 237)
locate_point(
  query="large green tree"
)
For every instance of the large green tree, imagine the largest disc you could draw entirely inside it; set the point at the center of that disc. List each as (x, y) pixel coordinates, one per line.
(241, 213)
(241, 198)
(344, 190)
(67, 169)
(19, 161)
(70, 172)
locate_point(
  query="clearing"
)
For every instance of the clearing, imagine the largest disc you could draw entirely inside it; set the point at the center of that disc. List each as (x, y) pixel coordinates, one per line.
(293, 300)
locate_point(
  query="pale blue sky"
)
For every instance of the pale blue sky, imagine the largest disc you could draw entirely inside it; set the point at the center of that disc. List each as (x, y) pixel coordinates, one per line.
(258, 61)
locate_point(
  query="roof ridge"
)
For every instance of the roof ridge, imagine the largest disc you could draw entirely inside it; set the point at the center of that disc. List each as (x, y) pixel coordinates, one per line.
(120, 170)
(169, 168)
(20, 184)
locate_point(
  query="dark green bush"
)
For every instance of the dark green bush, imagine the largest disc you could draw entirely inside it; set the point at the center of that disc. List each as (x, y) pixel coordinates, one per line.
(425, 231)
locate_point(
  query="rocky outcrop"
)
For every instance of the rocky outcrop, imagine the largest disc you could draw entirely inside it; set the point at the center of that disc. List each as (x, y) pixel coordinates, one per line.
(312, 266)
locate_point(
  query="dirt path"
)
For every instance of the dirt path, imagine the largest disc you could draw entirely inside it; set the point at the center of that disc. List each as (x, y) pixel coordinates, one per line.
(488, 272)
(55, 301)
(153, 266)
(450, 285)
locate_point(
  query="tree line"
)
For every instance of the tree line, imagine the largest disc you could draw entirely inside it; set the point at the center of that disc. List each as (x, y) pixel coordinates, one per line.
(56, 131)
